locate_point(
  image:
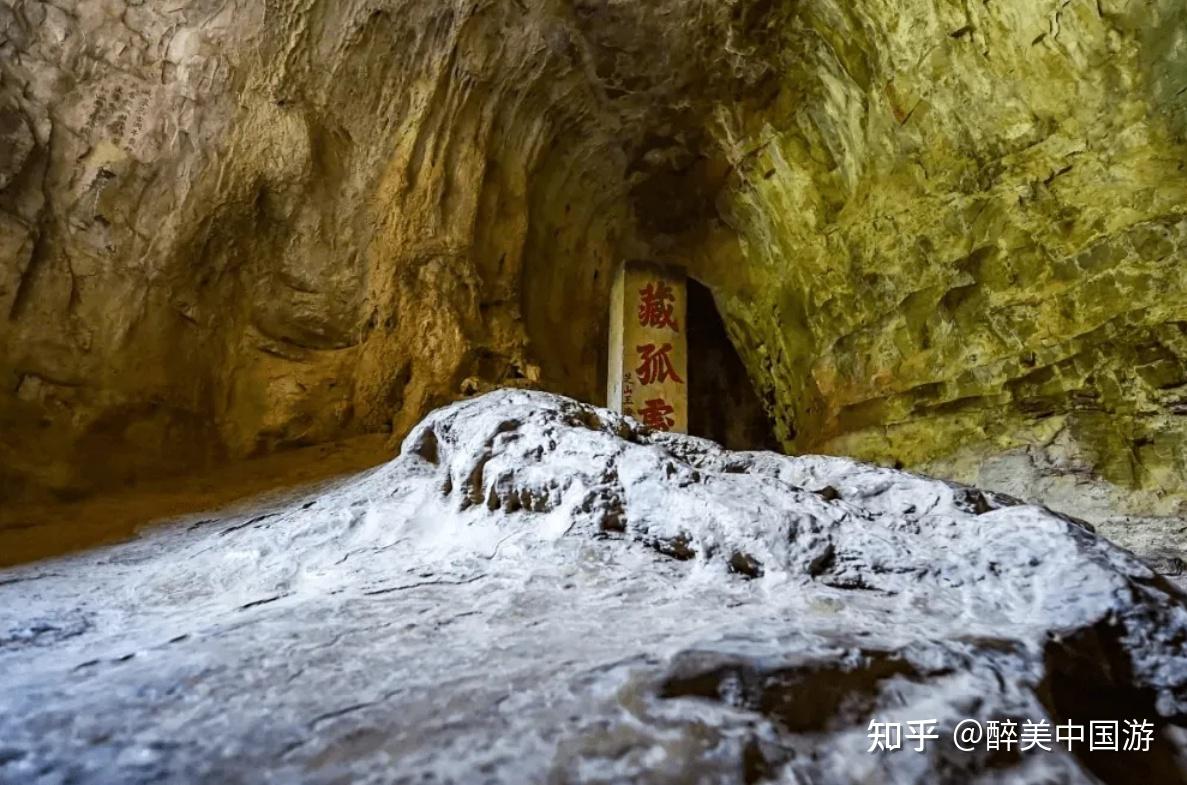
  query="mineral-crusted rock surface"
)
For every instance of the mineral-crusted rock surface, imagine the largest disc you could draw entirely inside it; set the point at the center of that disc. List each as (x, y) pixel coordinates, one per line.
(540, 591)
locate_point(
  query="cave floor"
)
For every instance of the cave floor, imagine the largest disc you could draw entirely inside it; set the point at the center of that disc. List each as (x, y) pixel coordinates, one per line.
(36, 530)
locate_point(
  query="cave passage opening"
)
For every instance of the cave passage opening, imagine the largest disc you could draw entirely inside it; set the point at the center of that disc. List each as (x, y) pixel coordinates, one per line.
(722, 402)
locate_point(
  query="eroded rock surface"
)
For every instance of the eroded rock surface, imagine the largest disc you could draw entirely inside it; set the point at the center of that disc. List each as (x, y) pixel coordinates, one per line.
(942, 235)
(960, 245)
(540, 591)
(249, 226)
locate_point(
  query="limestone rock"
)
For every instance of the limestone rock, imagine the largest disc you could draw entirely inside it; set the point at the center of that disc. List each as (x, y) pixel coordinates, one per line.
(17, 145)
(961, 232)
(243, 227)
(942, 235)
(538, 590)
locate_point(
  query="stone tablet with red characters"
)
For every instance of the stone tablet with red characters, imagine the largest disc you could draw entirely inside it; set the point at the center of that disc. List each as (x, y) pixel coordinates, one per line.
(648, 346)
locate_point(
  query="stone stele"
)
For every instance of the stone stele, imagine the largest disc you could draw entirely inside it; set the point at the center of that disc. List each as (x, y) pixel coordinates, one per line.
(648, 372)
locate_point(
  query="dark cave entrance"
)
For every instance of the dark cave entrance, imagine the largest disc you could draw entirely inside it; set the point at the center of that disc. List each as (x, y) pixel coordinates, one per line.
(722, 403)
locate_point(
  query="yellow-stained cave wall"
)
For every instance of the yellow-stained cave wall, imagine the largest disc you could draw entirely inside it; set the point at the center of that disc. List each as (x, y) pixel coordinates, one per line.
(963, 243)
(945, 234)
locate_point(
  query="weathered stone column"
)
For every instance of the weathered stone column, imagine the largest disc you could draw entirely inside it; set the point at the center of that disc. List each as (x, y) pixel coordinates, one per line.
(649, 346)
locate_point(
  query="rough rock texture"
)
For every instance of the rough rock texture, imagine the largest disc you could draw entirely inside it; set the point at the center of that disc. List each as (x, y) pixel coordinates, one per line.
(243, 226)
(247, 226)
(962, 233)
(943, 234)
(540, 591)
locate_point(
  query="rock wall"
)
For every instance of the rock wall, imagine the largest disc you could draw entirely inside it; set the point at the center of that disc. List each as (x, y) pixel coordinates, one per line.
(228, 228)
(944, 235)
(962, 233)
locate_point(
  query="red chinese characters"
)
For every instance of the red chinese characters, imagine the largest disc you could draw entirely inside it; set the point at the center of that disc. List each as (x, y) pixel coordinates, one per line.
(655, 365)
(655, 415)
(656, 304)
(658, 402)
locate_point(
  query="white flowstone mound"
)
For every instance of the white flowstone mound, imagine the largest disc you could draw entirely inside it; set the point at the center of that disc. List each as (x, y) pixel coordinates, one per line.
(542, 591)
